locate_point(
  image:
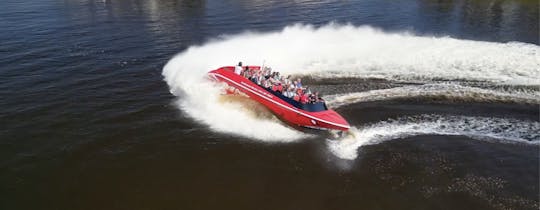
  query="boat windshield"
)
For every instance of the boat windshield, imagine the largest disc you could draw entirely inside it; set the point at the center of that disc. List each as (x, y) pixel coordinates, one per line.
(315, 107)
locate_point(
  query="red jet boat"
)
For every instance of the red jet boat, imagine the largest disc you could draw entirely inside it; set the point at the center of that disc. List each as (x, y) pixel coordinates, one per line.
(306, 115)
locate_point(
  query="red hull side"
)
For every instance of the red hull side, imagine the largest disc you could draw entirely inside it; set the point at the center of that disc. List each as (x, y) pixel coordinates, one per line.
(328, 119)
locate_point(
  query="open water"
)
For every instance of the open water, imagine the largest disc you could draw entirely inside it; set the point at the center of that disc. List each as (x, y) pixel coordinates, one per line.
(105, 105)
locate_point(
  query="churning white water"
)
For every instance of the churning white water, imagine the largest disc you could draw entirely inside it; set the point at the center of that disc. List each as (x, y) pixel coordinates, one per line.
(449, 91)
(481, 128)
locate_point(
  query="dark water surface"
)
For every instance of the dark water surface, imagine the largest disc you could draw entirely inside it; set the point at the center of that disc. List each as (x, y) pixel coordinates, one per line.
(86, 121)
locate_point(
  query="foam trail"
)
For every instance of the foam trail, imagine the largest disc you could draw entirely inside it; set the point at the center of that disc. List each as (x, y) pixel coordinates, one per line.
(447, 90)
(342, 51)
(481, 128)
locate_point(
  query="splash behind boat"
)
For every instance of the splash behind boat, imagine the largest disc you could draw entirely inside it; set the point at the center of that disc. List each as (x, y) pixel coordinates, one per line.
(306, 115)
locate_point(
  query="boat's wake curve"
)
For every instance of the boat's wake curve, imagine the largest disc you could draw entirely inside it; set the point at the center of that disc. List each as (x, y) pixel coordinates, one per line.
(443, 92)
(481, 128)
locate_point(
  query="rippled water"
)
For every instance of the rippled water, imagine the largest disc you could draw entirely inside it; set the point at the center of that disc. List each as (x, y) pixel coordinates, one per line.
(97, 112)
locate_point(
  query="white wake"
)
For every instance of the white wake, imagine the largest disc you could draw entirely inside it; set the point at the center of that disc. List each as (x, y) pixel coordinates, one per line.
(448, 91)
(481, 128)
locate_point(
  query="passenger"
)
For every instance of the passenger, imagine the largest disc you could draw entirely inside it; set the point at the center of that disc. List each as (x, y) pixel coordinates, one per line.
(260, 78)
(276, 76)
(267, 74)
(271, 77)
(291, 92)
(299, 91)
(317, 97)
(312, 98)
(245, 74)
(288, 82)
(254, 78)
(286, 93)
(296, 97)
(292, 86)
(279, 88)
(266, 83)
(274, 87)
(299, 83)
(248, 74)
(304, 98)
(238, 69)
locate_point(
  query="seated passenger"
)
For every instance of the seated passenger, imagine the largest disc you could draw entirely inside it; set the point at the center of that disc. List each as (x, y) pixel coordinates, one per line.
(299, 91)
(286, 93)
(279, 87)
(260, 78)
(289, 93)
(317, 98)
(276, 76)
(307, 90)
(312, 98)
(293, 87)
(271, 78)
(299, 83)
(254, 79)
(266, 83)
(304, 98)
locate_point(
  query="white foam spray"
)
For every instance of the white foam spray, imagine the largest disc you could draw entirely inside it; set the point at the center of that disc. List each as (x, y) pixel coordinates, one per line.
(449, 91)
(200, 99)
(337, 51)
(481, 128)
